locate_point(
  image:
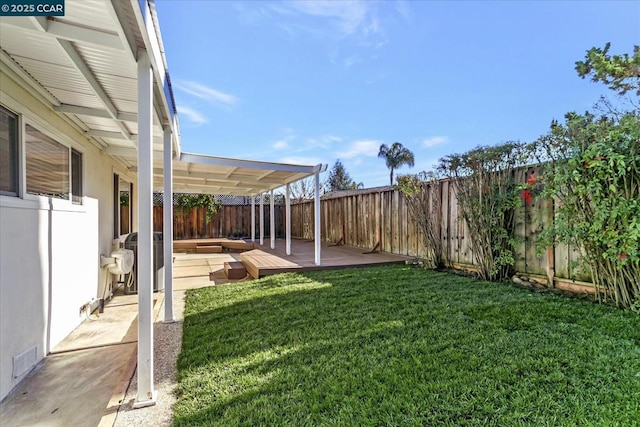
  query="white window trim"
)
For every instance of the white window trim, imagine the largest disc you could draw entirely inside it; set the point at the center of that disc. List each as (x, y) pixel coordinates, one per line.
(28, 117)
(41, 203)
(62, 141)
(19, 174)
(123, 174)
(82, 175)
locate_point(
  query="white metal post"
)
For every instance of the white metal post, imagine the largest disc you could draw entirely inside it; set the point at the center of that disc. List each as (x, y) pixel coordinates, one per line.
(167, 228)
(146, 393)
(272, 221)
(287, 213)
(316, 224)
(261, 219)
(253, 218)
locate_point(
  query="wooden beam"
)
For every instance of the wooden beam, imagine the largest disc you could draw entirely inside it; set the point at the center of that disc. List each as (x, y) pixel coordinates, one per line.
(375, 249)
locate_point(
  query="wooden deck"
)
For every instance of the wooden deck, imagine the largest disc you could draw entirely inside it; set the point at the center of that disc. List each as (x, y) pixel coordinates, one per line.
(264, 261)
(208, 245)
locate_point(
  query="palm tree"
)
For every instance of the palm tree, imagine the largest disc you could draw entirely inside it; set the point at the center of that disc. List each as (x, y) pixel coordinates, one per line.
(395, 156)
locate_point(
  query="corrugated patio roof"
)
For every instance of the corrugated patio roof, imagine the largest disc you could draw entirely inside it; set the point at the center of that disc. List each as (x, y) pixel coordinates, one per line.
(220, 175)
(199, 173)
(84, 66)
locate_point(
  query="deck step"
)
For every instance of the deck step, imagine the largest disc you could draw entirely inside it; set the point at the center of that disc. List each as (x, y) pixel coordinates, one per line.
(192, 245)
(213, 249)
(235, 270)
(237, 245)
(183, 246)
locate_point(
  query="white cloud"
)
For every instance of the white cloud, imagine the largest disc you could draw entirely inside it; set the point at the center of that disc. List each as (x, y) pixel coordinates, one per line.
(191, 114)
(285, 141)
(348, 16)
(328, 18)
(280, 145)
(299, 160)
(367, 148)
(207, 93)
(294, 144)
(250, 14)
(324, 141)
(403, 9)
(350, 61)
(434, 140)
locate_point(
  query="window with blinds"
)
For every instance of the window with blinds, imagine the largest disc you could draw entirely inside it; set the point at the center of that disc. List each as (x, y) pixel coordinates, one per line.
(47, 165)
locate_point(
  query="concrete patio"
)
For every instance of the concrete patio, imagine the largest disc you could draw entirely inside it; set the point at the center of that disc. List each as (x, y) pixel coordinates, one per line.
(83, 382)
(89, 378)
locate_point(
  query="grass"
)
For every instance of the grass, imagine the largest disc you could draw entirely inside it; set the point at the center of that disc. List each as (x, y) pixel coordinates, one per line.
(397, 345)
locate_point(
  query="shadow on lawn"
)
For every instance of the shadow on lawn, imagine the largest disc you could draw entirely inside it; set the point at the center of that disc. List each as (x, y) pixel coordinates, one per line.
(412, 347)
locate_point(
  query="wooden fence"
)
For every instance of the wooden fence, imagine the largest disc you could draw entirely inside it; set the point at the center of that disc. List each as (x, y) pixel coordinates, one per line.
(230, 221)
(370, 219)
(366, 219)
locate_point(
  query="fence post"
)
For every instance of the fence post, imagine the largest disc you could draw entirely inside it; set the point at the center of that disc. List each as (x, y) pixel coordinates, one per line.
(551, 250)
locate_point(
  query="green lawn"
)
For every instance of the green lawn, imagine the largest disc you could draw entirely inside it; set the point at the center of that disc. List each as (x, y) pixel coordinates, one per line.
(398, 345)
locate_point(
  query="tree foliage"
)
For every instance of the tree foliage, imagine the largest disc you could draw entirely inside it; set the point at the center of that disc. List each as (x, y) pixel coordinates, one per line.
(594, 174)
(124, 198)
(304, 189)
(339, 179)
(187, 202)
(621, 73)
(487, 195)
(422, 192)
(395, 156)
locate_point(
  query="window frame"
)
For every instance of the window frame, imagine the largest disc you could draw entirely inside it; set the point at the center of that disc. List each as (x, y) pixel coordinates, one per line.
(76, 199)
(61, 140)
(18, 159)
(62, 148)
(22, 199)
(119, 179)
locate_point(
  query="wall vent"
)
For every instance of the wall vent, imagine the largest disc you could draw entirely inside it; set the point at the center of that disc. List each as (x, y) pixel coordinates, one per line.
(22, 363)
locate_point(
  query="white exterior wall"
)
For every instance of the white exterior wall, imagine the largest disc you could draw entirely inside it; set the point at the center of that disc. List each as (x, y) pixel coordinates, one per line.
(50, 249)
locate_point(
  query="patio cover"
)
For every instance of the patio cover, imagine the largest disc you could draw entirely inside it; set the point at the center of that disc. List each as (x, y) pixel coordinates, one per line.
(83, 64)
(202, 173)
(102, 68)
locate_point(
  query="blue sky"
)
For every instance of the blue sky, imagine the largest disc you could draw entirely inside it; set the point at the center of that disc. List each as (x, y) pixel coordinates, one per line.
(312, 81)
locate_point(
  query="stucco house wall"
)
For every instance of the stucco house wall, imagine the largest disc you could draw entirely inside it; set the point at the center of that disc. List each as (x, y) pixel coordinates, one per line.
(50, 248)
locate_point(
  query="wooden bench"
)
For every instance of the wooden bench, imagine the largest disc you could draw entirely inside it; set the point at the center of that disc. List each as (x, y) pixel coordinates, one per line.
(235, 270)
(238, 245)
(183, 246)
(209, 249)
(204, 246)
